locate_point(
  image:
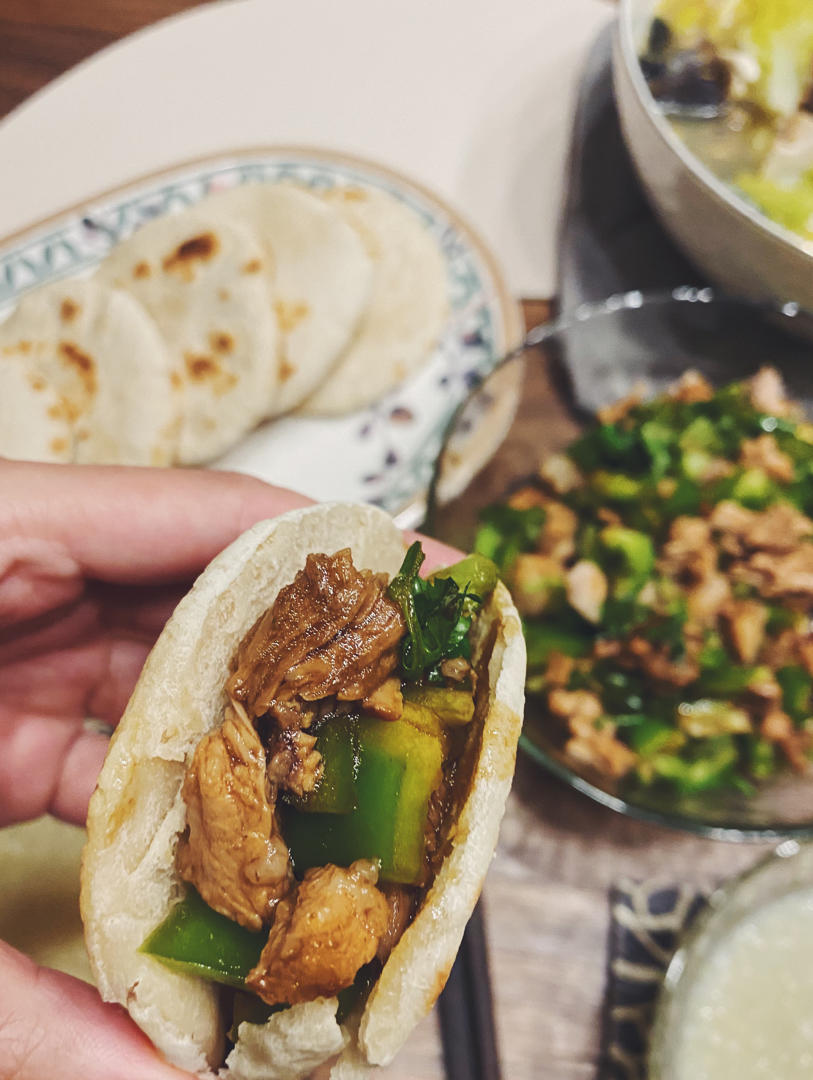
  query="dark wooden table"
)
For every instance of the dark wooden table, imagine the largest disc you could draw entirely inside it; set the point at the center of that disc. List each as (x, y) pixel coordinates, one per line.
(547, 892)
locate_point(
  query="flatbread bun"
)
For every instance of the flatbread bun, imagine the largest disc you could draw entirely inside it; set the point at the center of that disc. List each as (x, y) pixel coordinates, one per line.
(204, 282)
(406, 311)
(102, 356)
(34, 419)
(129, 880)
(320, 276)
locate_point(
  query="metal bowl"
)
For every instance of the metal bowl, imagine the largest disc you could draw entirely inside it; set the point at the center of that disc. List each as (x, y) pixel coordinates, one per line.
(716, 227)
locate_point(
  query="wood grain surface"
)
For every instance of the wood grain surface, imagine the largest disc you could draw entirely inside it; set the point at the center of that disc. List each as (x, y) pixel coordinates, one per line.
(559, 854)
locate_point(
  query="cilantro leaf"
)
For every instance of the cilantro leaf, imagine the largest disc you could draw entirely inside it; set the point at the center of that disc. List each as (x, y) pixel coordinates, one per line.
(438, 617)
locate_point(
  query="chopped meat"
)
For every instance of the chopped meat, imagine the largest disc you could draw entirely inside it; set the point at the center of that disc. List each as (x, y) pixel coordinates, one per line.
(765, 687)
(716, 468)
(586, 589)
(763, 453)
(785, 649)
(790, 574)
(558, 536)
(333, 630)
(526, 497)
(401, 903)
(778, 528)
(617, 410)
(691, 387)
(706, 599)
(561, 473)
(322, 934)
(776, 725)
(294, 763)
(559, 669)
(689, 551)
(804, 650)
(746, 621)
(386, 700)
(227, 797)
(655, 661)
(768, 393)
(581, 707)
(457, 669)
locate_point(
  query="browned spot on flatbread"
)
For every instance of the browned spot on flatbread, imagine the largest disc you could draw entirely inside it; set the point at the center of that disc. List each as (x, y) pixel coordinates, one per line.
(201, 367)
(83, 364)
(290, 313)
(221, 341)
(65, 409)
(68, 310)
(17, 347)
(141, 270)
(37, 382)
(286, 370)
(223, 294)
(59, 446)
(253, 266)
(352, 194)
(194, 250)
(175, 380)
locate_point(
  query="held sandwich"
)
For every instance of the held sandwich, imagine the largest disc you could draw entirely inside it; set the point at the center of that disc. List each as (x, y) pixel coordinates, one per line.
(300, 804)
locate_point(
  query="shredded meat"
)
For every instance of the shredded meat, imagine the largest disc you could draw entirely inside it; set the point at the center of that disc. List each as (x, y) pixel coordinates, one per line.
(386, 700)
(322, 934)
(746, 621)
(778, 528)
(558, 536)
(691, 387)
(617, 410)
(763, 453)
(294, 763)
(401, 903)
(228, 796)
(561, 473)
(656, 662)
(689, 551)
(594, 745)
(768, 394)
(456, 669)
(789, 574)
(333, 630)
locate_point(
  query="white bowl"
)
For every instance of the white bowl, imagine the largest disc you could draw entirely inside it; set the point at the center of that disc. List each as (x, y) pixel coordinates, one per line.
(717, 228)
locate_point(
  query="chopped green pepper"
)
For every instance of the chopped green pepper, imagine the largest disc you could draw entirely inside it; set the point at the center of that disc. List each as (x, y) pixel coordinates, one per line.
(449, 705)
(196, 940)
(335, 793)
(636, 553)
(796, 686)
(399, 768)
(474, 574)
(541, 640)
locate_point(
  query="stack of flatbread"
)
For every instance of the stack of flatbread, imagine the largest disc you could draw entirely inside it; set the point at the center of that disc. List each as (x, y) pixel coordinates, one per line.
(258, 301)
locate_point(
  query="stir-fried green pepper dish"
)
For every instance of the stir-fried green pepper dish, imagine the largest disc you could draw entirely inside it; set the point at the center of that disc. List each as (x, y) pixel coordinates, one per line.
(664, 569)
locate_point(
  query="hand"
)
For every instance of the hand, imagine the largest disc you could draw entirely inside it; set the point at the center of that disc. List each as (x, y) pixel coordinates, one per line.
(92, 562)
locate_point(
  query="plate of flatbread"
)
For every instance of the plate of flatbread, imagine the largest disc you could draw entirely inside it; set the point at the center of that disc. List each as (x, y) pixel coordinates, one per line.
(305, 317)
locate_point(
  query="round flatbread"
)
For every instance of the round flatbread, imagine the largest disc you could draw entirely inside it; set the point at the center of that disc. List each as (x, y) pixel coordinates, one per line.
(406, 311)
(34, 424)
(320, 278)
(203, 281)
(102, 355)
(129, 879)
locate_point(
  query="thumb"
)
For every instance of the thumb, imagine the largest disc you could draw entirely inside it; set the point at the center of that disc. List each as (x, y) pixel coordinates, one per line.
(56, 1026)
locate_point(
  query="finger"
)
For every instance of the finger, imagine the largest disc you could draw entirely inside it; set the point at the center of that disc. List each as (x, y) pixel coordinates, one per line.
(57, 1027)
(47, 765)
(129, 525)
(94, 679)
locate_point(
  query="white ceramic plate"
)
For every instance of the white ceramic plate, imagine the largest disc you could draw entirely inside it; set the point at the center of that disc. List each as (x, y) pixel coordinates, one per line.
(382, 454)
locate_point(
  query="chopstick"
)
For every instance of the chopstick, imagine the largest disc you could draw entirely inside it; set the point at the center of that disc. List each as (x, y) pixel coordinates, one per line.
(467, 1029)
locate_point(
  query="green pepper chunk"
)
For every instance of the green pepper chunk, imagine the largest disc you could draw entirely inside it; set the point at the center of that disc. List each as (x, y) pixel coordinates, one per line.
(796, 685)
(196, 940)
(400, 766)
(449, 705)
(542, 639)
(636, 553)
(475, 574)
(337, 742)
